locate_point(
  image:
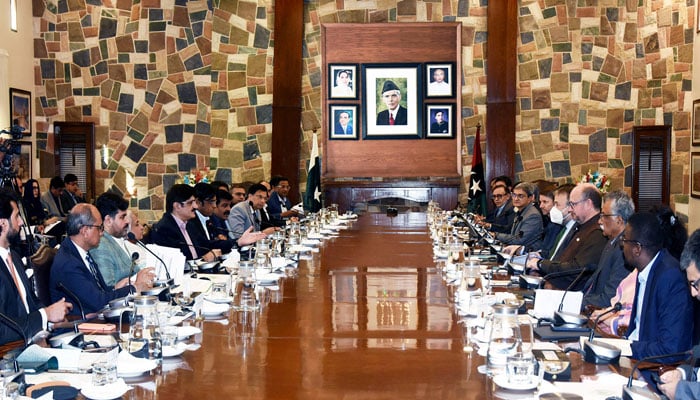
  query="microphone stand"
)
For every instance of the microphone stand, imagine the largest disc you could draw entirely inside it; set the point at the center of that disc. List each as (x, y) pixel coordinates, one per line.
(567, 320)
(630, 392)
(598, 352)
(169, 281)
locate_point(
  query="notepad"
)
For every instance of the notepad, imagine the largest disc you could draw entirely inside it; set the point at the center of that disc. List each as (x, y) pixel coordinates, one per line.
(547, 302)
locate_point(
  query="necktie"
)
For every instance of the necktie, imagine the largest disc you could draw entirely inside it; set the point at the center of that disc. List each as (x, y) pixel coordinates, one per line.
(186, 235)
(92, 266)
(17, 282)
(391, 119)
(560, 235)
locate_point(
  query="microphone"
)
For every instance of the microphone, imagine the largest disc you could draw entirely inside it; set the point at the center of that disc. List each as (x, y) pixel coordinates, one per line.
(599, 352)
(630, 392)
(72, 295)
(132, 237)
(567, 319)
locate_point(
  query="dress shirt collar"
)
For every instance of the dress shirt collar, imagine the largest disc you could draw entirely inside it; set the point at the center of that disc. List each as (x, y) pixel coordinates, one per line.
(180, 223)
(4, 253)
(82, 253)
(644, 274)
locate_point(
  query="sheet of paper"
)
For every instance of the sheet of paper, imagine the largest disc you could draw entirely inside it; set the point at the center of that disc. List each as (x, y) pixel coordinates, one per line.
(547, 302)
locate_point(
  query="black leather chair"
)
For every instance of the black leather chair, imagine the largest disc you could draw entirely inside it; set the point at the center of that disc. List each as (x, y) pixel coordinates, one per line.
(41, 262)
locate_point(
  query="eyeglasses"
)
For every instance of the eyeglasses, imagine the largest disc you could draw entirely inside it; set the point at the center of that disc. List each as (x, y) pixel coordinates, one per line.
(573, 203)
(608, 215)
(283, 186)
(261, 196)
(636, 242)
(187, 203)
(519, 195)
(695, 284)
(100, 227)
(498, 196)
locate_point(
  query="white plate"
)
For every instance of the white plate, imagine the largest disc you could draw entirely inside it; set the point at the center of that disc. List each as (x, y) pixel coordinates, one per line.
(183, 332)
(130, 366)
(212, 309)
(219, 300)
(502, 381)
(174, 351)
(106, 392)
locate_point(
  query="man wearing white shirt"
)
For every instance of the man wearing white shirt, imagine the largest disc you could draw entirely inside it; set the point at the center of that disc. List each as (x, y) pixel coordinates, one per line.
(438, 86)
(17, 300)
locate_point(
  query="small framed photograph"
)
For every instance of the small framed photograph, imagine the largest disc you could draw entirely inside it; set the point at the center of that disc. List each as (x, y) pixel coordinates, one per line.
(22, 162)
(439, 121)
(695, 174)
(21, 110)
(440, 80)
(391, 104)
(342, 82)
(342, 121)
(696, 122)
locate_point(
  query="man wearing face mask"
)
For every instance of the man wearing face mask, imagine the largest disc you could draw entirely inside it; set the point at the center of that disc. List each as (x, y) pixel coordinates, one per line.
(601, 286)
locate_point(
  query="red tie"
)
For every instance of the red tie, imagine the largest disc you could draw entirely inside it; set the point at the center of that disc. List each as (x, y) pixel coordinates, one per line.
(391, 119)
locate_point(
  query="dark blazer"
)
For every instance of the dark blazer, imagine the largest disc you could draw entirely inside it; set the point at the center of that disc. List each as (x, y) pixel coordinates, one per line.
(200, 239)
(220, 227)
(339, 129)
(526, 230)
(602, 285)
(504, 222)
(11, 304)
(68, 201)
(583, 251)
(666, 323)
(166, 233)
(401, 117)
(69, 269)
(274, 206)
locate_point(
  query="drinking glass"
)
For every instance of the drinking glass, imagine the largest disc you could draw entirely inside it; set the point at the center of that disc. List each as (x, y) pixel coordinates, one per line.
(521, 368)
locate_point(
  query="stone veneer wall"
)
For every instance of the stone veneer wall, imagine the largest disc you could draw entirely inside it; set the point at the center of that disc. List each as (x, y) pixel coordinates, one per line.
(589, 71)
(180, 84)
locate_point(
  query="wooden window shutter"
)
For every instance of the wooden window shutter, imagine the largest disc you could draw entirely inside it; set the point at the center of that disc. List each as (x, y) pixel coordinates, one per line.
(651, 165)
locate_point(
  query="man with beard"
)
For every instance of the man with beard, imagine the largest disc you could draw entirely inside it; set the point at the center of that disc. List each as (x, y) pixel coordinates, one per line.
(17, 300)
(222, 210)
(112, 255)
(662, 313)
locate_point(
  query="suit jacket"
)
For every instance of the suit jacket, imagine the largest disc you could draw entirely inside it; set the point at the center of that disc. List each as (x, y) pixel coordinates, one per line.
(274, 206)
(242, 217)
(583, 251)
(551, 232)
(666, 322)
(690, 387)
(70, 270)
(401, 117)
(68, 201)
(199, 236)
(53, 207)
(502, 223)
(602, 285)
(12, 306)
(442, 127)
(220, 226)
(166, 233)
(112, 260)
(339, 129)
(268, 222)
(527, 229)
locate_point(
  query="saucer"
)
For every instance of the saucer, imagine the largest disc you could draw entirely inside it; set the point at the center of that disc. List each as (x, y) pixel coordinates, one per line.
(183, 332)
(106, 392)
(502, 381)
(219, 300)
(174, 351)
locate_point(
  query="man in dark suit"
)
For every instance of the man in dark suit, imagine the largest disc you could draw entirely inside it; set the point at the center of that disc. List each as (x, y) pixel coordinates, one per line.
(618, 207)
(201, 228)
(278, 205)
(222, 210)
(395, 114)
(440, 125)
(171, 230)
(502, 217)
(245, 216)
(662, 312)
(72, 194)
(17, 300)
(527, 227)
(75, 269)
(342, 125)
(585, 245)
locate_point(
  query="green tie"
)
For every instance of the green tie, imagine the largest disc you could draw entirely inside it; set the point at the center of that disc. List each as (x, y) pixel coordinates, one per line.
(560, 235)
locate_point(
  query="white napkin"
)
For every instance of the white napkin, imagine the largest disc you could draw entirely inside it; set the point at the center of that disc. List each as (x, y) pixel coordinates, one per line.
(130, 365)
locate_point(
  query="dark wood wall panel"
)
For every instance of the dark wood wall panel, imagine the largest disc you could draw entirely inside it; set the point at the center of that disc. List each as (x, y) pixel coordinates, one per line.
(391, 43)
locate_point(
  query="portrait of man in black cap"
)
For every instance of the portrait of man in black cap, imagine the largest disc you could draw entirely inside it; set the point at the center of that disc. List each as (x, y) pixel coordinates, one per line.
(395, 114)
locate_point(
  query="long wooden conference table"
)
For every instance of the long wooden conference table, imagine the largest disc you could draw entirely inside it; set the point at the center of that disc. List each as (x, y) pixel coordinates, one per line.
(368, 317)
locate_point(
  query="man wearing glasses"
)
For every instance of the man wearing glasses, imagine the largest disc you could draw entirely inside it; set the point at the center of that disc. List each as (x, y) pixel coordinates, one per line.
(662, 313)
(112, 256)
(527, 226)
(682, 383)
(618, 207)
(75, 272)
(278, 206)
(245, 216)
(202, 229)
(171, 230)
(502, 217)
(582, 248)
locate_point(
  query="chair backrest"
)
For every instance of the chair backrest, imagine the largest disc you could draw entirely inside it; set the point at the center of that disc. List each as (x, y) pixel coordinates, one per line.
(41, 262)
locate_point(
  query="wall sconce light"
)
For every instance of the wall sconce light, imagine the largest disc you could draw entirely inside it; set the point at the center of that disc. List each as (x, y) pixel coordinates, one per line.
(13, 15)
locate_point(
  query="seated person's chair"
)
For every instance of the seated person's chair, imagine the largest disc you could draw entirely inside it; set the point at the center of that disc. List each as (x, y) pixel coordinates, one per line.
(41, 262)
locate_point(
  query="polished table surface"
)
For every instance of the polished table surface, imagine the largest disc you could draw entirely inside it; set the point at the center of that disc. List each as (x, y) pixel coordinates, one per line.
(367, 317)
